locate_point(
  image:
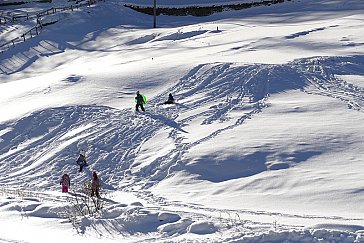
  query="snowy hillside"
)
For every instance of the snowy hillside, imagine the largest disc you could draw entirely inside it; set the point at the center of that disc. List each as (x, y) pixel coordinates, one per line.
(264, 144)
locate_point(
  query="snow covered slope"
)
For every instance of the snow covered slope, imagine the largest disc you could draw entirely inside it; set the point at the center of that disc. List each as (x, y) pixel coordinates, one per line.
(264, 144)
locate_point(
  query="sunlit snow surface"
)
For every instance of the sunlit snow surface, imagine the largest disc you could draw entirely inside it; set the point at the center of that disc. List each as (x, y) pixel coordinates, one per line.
(264, 144)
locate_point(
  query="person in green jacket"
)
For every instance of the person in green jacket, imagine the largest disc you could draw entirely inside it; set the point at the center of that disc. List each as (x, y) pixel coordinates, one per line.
(140, 101)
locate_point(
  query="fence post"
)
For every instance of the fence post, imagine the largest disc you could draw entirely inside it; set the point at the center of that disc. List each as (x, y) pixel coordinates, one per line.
(155, 14)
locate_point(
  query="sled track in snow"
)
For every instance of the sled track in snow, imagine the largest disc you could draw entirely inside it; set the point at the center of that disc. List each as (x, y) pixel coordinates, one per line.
(323, 73)
(232, 213)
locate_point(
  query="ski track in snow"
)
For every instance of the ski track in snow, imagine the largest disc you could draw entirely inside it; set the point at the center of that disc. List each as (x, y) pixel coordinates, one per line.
(37, 149)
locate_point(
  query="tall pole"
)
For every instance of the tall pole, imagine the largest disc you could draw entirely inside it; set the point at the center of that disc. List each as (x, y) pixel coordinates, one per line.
(155, 14)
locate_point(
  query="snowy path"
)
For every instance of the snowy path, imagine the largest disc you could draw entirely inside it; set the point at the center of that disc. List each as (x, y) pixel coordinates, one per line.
(176, 218)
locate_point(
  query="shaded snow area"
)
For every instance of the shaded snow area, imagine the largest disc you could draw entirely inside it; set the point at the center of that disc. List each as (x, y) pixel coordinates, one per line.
(263, 144)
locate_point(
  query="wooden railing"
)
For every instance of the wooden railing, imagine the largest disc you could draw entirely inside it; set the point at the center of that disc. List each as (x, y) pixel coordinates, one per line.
(27, 35)
(36, 29)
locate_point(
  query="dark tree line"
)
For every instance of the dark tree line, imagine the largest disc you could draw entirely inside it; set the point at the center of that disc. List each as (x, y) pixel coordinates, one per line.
(201, 11)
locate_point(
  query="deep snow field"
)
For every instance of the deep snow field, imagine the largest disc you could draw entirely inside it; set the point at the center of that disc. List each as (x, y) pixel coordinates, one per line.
(265, 143)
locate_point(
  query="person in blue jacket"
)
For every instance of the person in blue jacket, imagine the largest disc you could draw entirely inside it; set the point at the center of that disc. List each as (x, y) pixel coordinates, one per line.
(81, 161)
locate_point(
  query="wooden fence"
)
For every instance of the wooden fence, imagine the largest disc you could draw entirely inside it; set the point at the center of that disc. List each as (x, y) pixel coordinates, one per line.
(36, 29)
(27, 35)
(50, 11)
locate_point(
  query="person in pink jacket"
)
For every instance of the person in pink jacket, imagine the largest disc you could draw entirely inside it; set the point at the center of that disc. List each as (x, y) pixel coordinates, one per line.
(65, 182)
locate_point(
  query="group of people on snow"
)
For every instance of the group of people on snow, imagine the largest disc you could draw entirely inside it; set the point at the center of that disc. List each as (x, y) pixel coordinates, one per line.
(95, 182)
(140, 101)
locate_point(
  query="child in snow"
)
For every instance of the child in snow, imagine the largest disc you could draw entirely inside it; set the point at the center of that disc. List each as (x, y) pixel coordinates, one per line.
(139, 99)
(170, 99)
(65, 182)
(95, 185)
(81, 161)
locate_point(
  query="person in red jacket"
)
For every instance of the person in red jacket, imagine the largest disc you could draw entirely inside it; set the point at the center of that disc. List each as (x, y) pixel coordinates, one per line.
(65, 182)
(95, 185)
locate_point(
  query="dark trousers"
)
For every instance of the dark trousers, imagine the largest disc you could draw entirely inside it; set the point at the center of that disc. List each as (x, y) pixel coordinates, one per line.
(141, 107)
(95, 192)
